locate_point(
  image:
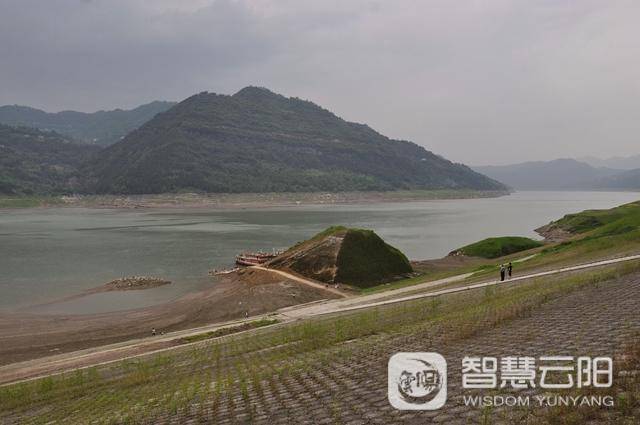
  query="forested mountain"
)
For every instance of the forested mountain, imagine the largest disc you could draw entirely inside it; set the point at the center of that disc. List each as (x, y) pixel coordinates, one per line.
(37, 162)
(102, 127)
(259, 141)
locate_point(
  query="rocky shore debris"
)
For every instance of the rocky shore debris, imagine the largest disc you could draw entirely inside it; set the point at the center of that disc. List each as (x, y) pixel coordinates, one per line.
(135, 282)
(552, 233)
(216, 272)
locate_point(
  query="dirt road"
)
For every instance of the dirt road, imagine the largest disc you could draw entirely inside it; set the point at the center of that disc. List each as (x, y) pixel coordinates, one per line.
(308, 282)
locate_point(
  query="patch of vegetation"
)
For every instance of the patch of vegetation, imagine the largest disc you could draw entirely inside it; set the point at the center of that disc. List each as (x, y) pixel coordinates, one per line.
(616, 230)
(498, 247)
(365, 259)
(229, 330)
(589, 220)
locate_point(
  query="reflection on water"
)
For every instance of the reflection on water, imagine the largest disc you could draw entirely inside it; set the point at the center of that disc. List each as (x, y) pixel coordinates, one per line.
(51, 253)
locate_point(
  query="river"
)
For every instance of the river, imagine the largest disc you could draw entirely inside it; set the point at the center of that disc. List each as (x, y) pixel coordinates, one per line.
(47, 254)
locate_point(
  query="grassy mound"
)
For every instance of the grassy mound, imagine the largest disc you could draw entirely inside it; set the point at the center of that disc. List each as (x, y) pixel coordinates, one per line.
(365, 259)
(497, 247)
(615, 230)
(338, 254)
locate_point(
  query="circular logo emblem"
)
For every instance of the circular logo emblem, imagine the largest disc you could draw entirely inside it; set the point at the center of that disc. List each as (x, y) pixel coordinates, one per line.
(419, 382)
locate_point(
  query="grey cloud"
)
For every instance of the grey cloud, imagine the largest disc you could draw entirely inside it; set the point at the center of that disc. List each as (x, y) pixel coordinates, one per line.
(480, 82)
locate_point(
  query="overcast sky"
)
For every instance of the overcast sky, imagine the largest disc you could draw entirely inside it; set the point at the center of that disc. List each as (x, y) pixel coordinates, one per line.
(480, 82)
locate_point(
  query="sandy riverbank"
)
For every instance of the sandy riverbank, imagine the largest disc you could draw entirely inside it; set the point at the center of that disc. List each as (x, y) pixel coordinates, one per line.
(26, 336)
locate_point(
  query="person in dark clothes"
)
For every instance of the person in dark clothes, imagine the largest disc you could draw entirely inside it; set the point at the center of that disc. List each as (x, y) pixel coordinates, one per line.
(510, 270)
(502, 272)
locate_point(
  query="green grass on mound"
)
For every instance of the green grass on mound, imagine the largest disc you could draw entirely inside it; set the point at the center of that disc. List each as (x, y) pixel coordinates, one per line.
(365, 259)
(613, 230)
(499, 247)
(361, 258)
(589, 220)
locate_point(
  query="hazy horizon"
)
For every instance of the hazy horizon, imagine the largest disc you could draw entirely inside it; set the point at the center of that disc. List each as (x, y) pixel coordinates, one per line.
(483, 83)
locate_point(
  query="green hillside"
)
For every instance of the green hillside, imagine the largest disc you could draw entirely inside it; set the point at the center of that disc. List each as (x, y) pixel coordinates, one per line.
(365, 259)
(34, 162)
(497, 247)
(102, 128)
(601, 222)
(259, 141)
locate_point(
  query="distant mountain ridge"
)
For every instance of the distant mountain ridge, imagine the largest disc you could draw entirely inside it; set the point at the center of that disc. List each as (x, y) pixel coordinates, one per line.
(616, 162)
(102, 128)
(260, 141)
(626, 180)
(38, 162)
(562, 174)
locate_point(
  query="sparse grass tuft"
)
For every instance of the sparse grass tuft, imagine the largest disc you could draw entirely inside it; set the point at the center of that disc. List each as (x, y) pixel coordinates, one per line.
(229, 330)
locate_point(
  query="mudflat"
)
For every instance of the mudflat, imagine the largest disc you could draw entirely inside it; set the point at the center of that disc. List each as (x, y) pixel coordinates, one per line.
(26, 336)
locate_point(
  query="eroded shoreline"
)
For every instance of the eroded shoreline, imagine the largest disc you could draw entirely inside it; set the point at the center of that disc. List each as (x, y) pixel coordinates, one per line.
(240, 200)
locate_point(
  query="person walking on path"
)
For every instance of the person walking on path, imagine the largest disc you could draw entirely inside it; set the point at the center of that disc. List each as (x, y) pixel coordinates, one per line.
(510, 269)
(502, 272)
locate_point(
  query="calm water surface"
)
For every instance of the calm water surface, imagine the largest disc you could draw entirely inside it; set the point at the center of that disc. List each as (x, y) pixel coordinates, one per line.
(47, 254)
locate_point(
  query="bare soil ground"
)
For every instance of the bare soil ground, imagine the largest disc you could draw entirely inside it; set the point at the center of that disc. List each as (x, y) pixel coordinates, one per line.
(253, 292)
